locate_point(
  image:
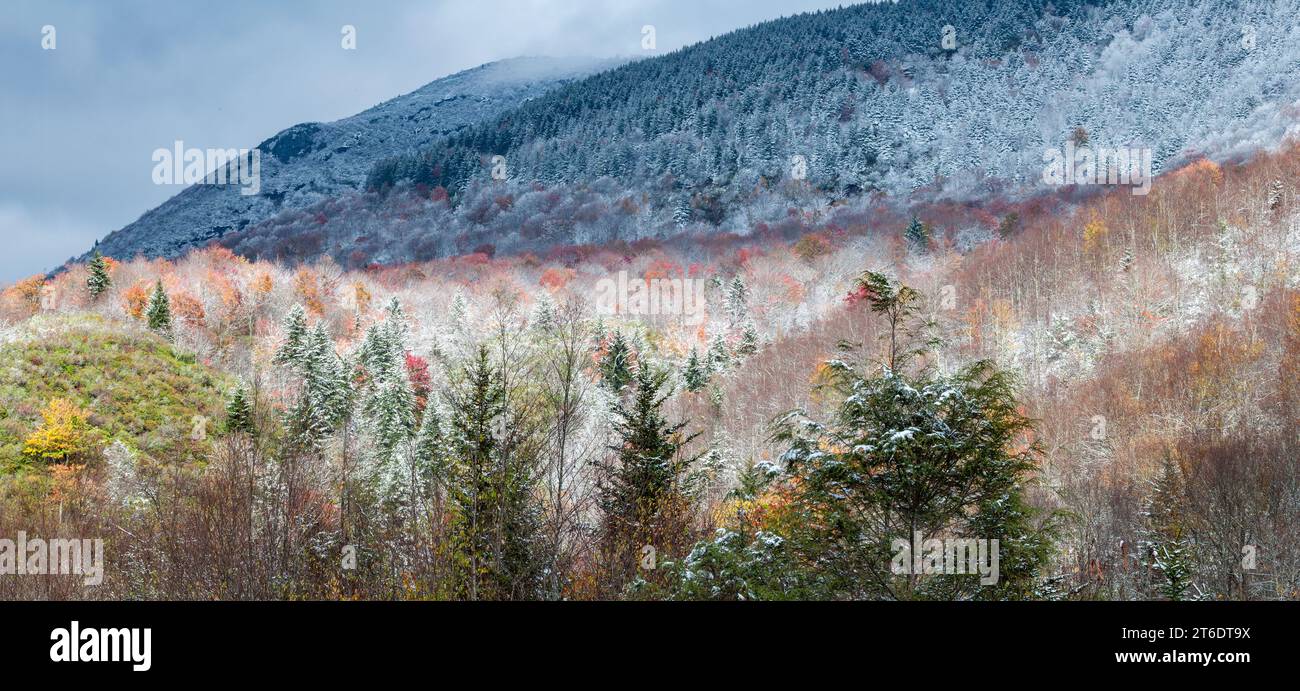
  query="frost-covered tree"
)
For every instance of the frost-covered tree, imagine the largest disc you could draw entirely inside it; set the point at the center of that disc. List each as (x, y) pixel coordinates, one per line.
(158, 312)
(695, 375)
(718, 355)
(98, 281)
(749, 341)
(737, 300)
(1169, 547)
(615, 364)
(640, 488)
(918, 234)
(495, 520)
(910, 452)
(239, 412)
(291, 350)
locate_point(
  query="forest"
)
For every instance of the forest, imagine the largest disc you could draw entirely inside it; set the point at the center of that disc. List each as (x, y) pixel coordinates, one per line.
(1105, 385)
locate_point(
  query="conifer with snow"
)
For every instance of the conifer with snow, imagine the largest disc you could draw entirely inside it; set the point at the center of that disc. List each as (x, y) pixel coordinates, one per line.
(158, 312)
(98, 281)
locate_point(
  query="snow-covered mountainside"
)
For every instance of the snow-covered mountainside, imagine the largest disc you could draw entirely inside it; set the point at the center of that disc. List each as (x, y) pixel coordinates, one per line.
(825, 113)
(807, 116)
(313, 161)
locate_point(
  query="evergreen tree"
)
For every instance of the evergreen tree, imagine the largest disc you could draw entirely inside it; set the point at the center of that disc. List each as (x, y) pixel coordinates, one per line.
(458, 314)
(239, 412)
(158, 310)
(98, 281)
(325, 395)
(918, 234)
(737, 300)
(682, 213)
(749, 341)
(1169, 547)
(295, 338)
(615, 367)
(430, 445)
(544, 315)
(387, 397)
(696, 375)
(640, 491)
(718, 357)
(909, 453)
(495, 522)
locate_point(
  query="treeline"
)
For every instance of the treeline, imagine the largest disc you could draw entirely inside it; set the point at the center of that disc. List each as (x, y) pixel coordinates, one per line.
(543, 462)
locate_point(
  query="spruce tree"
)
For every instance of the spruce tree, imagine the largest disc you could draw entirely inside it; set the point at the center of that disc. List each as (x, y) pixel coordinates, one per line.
(295, 338)
(737, 300)
(918, 233)
(695, 375)
(430, 450)
(158, 310)
(98, 281)
(1169, 549)
(615, 368)
(239, 412)
(495, 522)
(640, 490)
(909, 451)
(749, 341)
(325, 394)
(718, 357)
(388, 399)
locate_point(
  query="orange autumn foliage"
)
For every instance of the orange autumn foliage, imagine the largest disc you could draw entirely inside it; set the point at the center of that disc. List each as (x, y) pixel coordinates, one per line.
(188, 308)
(135, 298)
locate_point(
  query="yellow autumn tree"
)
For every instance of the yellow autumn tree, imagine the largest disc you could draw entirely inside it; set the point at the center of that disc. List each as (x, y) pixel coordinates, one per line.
(1094, 235)
(62, 434)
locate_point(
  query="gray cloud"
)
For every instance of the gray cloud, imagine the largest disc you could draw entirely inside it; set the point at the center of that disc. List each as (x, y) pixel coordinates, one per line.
(78, 124)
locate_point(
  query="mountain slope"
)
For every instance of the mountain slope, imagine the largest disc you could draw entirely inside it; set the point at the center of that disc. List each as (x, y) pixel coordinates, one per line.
(821, 114)
(313, 161)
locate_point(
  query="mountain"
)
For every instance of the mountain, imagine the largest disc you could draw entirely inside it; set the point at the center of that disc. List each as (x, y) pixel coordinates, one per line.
(821, 113)
(313, 161)
(815, 116)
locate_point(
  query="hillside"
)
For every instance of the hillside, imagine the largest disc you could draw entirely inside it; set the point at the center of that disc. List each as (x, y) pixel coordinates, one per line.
(134, 387)
(313, 161)
(1151, 337)
(606, 343)
(822, 114)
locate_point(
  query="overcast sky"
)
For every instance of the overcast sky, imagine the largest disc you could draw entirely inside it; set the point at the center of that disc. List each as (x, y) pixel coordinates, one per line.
(78, 124)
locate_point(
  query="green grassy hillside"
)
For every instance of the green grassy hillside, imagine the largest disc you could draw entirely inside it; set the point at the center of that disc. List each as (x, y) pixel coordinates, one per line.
(134, 385)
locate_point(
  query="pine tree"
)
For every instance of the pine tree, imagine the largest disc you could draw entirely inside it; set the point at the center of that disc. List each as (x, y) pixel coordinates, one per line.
(918, 234)
(495, 521)
(158, 311)
(639, 491)
(98, 281)
(615, 368)
(295, 337)
(906, 453)
(239, 412)
(737, 299)
(718, 357)
(749, 341)
(1169, 548)
(695, 375)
